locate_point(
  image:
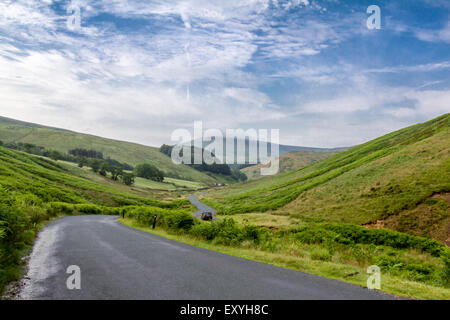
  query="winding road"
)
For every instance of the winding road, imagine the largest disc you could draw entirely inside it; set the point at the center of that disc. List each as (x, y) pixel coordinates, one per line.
(202, 208)
(118, 262)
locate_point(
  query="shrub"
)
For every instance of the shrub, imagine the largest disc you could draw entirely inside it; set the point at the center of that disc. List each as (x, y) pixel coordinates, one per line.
(55, 208)
(179, 220)
(354, 234)
(446, 260)
(412, 270)
(321, 254)
(16, 233)
(112, 211)
(316, 236)
(226, 232)
(144, 215)
(206, 231)
(88, 209)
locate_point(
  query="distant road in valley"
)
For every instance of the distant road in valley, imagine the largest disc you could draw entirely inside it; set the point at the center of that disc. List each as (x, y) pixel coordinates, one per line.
(202, 208)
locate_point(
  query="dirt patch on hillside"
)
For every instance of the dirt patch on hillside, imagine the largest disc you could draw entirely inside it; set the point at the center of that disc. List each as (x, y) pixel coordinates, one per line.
(430, 219)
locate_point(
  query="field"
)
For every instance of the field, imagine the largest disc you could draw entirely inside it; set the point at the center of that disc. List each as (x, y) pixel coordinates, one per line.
(141, 184)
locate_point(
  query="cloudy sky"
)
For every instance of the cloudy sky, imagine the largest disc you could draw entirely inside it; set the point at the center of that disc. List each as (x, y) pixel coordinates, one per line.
(136, 70)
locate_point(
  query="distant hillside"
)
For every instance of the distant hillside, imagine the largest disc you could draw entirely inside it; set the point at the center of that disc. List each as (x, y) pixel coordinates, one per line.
(291, 161)
(282, 149)
(399, 181)
(39, 180)
(63, 140)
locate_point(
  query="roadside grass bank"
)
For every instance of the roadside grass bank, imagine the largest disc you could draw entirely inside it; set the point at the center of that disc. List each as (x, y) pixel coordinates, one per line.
(412, 267)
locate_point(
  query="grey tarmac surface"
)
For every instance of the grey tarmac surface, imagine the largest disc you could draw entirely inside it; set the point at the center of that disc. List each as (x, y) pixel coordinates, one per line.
(118, 262)
(201, 207)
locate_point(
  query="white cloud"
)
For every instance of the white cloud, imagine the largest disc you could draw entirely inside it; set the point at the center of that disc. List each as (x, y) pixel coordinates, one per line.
(132, 85)
(442, 35)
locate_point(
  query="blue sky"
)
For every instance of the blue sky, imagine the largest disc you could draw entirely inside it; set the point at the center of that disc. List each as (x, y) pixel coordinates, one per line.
(137, 70)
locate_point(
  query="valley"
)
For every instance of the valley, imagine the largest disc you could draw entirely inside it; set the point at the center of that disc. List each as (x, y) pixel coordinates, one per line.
(381, 203)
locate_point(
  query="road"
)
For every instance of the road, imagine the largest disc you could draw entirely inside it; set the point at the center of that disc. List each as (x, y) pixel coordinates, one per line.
(201, 207)
(118, 262)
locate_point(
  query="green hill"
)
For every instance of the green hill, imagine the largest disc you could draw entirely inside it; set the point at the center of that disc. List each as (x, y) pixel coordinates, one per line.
(291, 161)
(126, 152)
(384, 179)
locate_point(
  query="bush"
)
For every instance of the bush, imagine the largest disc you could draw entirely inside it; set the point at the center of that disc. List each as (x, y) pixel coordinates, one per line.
(16, 233)
(172, 219)
(354, 234)
(88, 209)
(55, 208)
(321, 254)
(226, 232)
(206, 231)
(446, 260)
(412, 270)
(179, 220)
(144, 215)
(316, 236)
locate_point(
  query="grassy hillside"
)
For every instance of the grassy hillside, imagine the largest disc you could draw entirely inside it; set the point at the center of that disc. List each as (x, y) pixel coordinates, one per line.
(373, 181)
(291, 161)
(64, 140)
(45, 181)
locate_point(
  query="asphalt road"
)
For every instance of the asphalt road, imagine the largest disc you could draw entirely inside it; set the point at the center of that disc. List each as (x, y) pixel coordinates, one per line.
(201, 207)
(118, 262)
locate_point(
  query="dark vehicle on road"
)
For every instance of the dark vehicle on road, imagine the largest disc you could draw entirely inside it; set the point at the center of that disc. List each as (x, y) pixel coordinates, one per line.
(207, 216)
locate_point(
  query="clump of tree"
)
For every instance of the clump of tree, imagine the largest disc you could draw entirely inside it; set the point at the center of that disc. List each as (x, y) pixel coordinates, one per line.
(128, 178)
(102, 167)
(115, 163)
(149, 171)
(83, 157)
(80, 152)
(217, 168)
(239, 175)
(166, 149)
(40, 151)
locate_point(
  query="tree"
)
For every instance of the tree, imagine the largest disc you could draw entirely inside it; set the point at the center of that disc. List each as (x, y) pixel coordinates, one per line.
(1, 143)
(86, 153)
(128, 178)
(238, 175)
(103, 169)
(149, 171)
(82, 161)
(55, 155)
(167, 150)
(116, 172)
(95, 164)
